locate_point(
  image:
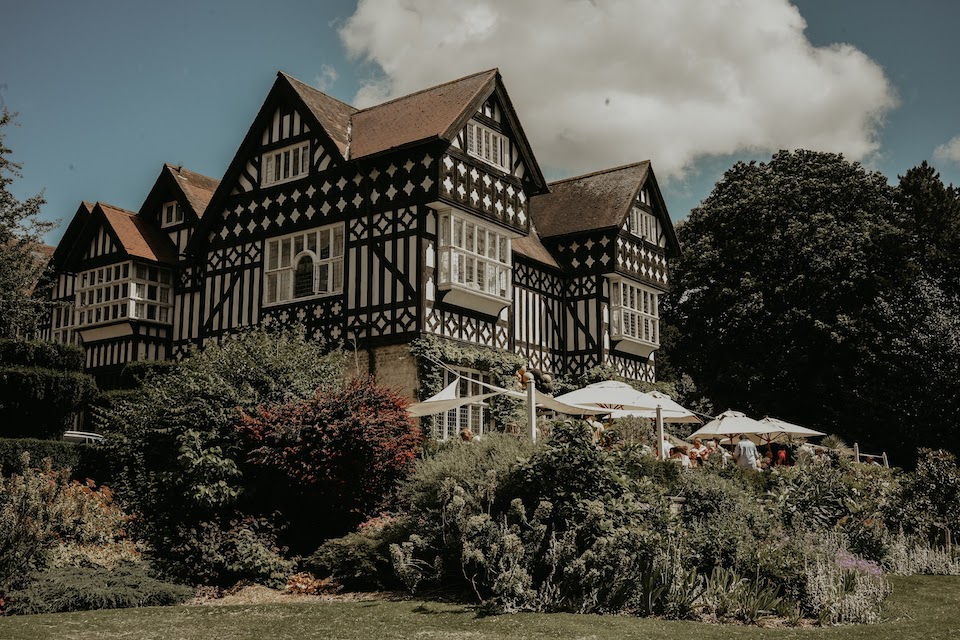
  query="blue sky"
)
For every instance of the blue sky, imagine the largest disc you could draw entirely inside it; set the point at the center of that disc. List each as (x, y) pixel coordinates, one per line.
(109, 90)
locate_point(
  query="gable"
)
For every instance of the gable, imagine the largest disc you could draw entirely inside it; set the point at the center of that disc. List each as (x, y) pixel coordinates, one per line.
(101, 243)
(488, 137)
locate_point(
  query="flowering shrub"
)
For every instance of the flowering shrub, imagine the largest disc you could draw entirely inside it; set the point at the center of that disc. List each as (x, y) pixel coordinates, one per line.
(844, 589)
(48, 520)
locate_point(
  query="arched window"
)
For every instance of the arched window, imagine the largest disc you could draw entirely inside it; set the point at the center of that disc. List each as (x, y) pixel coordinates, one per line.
(303, 278)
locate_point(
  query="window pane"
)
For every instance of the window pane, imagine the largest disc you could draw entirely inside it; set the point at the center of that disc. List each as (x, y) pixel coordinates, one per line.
(504, 253)
(481, 242)
(273, 253)
(470, 233)
(312, 242)
(297, 245)
(481, 275)
(457, 239)
(337, 276)
(303, 280)
(285, 253)
(338, 241)
(323, 278)
(324, 252)
(283, 292)
(271, 287)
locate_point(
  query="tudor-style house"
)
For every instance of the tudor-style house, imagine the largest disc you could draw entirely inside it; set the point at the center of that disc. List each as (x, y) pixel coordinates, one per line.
(427, 214)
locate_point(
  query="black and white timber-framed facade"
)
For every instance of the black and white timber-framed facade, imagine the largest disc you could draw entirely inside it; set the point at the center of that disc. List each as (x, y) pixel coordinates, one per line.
(427, 214)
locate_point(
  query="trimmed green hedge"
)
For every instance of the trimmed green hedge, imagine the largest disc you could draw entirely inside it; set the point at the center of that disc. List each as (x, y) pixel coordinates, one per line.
(39, 403)
(38, 353)
(85, 460)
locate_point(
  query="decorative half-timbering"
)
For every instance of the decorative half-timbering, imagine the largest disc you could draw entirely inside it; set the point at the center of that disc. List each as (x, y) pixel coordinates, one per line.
(427, 214)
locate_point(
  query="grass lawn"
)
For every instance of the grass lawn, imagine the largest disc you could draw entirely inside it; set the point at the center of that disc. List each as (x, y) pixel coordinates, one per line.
(926, 608)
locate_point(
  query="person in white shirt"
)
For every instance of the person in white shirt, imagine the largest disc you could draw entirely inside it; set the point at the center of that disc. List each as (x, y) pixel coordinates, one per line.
(746, 454)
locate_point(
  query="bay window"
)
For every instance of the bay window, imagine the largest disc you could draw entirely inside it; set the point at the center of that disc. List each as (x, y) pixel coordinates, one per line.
(634, 316)
(475, 262)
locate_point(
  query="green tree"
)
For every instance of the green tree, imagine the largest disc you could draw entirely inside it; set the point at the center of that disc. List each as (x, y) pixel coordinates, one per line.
(21, 233)
(778, 265)
(181, 463)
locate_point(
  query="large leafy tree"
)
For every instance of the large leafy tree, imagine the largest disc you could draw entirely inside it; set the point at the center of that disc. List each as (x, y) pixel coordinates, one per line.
(804, 292)
(21, 233)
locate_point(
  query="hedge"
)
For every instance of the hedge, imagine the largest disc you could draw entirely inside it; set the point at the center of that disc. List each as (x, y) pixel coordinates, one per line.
(39, 403)
(38, 353)
(85, 460)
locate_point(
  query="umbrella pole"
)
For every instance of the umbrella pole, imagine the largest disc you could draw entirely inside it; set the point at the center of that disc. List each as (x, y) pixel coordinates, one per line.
(660, 446)
(532, 407)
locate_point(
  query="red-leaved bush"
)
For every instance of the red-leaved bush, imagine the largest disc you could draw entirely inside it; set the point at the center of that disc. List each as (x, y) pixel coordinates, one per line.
(344, 450)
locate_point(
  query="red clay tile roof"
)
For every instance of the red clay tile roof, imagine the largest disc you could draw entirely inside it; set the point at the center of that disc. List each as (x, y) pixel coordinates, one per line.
(531, 247)
(332, 114)
(196, 187)
(138, 237)
(597, 200)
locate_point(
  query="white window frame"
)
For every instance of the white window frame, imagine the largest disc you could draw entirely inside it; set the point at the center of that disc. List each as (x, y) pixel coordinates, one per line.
(474, 416)
(634, 312)
(644, 224)
(283, 253)
(488, 145)
(171, 214)
(285, 164)
(121, 292)
(476, 260)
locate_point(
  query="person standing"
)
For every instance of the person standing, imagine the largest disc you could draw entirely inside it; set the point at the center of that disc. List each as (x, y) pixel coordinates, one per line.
(746, 454)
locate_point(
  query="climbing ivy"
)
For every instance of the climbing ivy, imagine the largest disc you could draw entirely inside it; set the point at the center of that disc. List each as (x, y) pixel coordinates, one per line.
(502, 366)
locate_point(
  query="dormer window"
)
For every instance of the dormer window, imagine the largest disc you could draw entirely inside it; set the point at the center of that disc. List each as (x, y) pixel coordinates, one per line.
(171, 214)
(488, 145)
(645, 225)
(286, 164)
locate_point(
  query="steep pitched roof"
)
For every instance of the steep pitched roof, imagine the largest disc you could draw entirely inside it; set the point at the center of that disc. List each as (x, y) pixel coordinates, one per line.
(333, 115)
(137, 237)
(597, 200)
(74, 229)
(197, 188)
(431, 113)
(530, 247)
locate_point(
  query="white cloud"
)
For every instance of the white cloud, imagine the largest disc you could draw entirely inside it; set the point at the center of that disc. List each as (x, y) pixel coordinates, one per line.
(325, 79)
(604, 82)
(948, 151)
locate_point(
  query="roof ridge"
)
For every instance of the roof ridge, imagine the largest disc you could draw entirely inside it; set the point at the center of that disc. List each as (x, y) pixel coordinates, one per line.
(600, 172)
(424, 90)
(312, 88)
(116, 208)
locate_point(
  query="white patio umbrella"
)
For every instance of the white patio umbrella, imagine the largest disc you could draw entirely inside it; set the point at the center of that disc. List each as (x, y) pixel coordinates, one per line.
(792, 430)
(610, 394)
(731, 423)
(620, 399)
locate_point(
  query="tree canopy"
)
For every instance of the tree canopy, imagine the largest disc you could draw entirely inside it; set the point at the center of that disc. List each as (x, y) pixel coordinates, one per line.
(21, 234)
(812, 290)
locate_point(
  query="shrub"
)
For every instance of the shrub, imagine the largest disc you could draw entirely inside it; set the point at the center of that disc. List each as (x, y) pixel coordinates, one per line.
(844, 589)
(39, 402)
(224, 553)
(41, 354)
(909, 556)
(42, 512)
(181, 463)
(561, 532)
(361, 560)
(342, 453)
(723, 524)
(62, 455)
(87, 588)
(309, 585)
